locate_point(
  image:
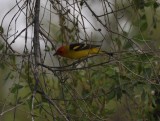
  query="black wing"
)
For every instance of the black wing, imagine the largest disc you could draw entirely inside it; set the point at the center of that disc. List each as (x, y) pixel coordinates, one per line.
(81, 46)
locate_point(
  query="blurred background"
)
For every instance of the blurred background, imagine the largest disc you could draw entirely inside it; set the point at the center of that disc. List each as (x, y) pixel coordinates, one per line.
(37, 86)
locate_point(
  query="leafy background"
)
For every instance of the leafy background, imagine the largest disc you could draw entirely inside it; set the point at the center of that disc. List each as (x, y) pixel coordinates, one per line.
(121, 87)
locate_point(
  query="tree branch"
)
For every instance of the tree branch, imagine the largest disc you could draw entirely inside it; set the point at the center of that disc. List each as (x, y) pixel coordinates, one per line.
(36, 45)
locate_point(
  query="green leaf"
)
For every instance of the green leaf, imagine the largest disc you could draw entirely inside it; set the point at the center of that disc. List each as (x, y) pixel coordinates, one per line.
(2, 66)
(128, 45)
(143, 23)
(110, 71)
(111, 95)
(118, 41)
(16, 88)
(139, 4)
(143, 96)
(156, 5)
(1, 46)
(146, 57)
(154, 22)
(118, 93)
(147, 72)
(143, 26)
(137, 83)
(30, 103)
(1, 30)
(47, 48)
(149, 4)
(7, 77)
(138, 38)
(140, 68)
(13, 58)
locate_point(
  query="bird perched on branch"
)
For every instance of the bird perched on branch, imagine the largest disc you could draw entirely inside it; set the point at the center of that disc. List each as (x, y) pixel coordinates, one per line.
(78, 50)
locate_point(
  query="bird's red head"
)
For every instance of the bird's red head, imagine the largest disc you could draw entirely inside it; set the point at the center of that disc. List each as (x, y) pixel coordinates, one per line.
(61, 51)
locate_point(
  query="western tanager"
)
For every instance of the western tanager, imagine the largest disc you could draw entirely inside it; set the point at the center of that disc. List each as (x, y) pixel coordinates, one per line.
(77, 50)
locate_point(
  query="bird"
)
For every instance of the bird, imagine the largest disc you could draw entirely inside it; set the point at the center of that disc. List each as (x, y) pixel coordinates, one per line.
(78, 50)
